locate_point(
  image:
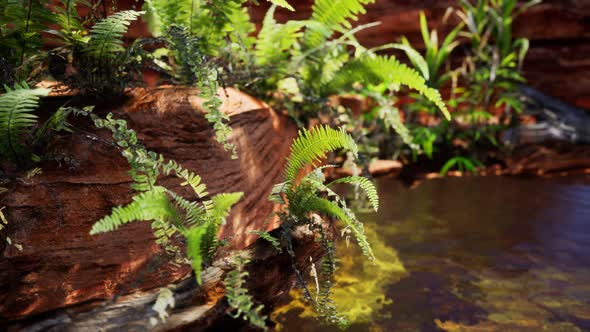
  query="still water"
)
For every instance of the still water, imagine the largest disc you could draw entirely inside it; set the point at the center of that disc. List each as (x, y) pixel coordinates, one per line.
(466, 254)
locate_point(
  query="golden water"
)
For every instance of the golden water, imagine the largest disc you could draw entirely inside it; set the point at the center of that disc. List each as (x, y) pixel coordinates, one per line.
(466, 254)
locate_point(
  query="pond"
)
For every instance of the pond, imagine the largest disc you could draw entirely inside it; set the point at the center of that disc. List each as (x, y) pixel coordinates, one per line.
(466, 254)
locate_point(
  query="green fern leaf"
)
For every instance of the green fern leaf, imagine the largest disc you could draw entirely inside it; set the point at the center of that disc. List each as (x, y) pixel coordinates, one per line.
(195, 213)
(324, 206)
(365, 184)
(106, 39)
(274, 40)
(388, 70)
(271, 239)
(237, 294)
(149, 205)
(223, 203)
(16, 118)
(194, 237)
(283, 3)
(311, 146)
(329, 16)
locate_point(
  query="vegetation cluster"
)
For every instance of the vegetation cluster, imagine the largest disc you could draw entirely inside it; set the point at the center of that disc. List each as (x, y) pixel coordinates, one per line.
(297, 66)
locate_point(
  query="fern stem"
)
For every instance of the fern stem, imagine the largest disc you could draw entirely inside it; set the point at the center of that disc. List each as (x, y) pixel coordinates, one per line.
(68, 14)
(190, 31)
(24, 42)
(11, 145)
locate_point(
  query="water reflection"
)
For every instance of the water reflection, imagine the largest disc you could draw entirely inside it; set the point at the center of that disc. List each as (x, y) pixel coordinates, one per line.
(467, 254)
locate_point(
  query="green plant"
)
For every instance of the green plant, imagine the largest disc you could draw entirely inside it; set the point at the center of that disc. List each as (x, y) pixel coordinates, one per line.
(271, 239)
(237, 293)
(20, 133)
(303, 63)
(492, 69)
(194, 68)
(463, 164)
(171, 215)
(21, 24)
(102, 63)
(17, 120)
(71, 28)
(305, 194)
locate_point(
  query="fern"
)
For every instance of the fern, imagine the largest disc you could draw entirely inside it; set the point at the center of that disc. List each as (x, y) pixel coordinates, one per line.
(17, 119)
(170, 214)
(197, 248)
(68, 19)
(271, 239)
(388, 70)
(160, 15)
(222, 204)
(106, 39)
(212, 22)
(365, 184)
(148, 205)
(301, 199)
(311, 146)
(195, 70)
(282, 3)
(329, 16)
(21, 23)
(237, 294)
(274, 40)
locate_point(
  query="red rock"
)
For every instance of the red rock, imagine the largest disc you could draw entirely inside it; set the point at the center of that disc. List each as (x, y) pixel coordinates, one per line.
(52, 213)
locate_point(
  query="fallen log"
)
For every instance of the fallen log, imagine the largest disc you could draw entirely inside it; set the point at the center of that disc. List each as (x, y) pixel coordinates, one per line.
(197, 308)
(50, 215)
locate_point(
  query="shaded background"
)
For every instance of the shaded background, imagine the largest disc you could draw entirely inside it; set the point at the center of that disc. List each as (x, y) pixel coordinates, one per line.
(558, 62)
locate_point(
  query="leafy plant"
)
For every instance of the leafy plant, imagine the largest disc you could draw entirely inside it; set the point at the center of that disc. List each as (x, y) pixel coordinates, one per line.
(195, 69)
(103, 64)
(171, 215)
(304, 194)
(463, 164)
(17, 120)
(271, 239)
(237, 293)
(492, 69)
(21, 24)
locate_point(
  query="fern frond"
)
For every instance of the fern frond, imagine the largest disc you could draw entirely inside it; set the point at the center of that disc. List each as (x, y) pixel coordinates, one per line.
(22, 22)
(330, 16)
(194, 213)
(283, 3)
(195, 70)
(311, 146)
(365, 184)
(194, 237)
(218, 208)
(237, 294)
(67, 15)
(149, 205)
(277, 191)
(190, 179)
(324, 206)
(274, 40)
(212, 22)
(381, 69)
(160, 15)
(271, 239)
(222, 204)
(16, 118)
(106, 39)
